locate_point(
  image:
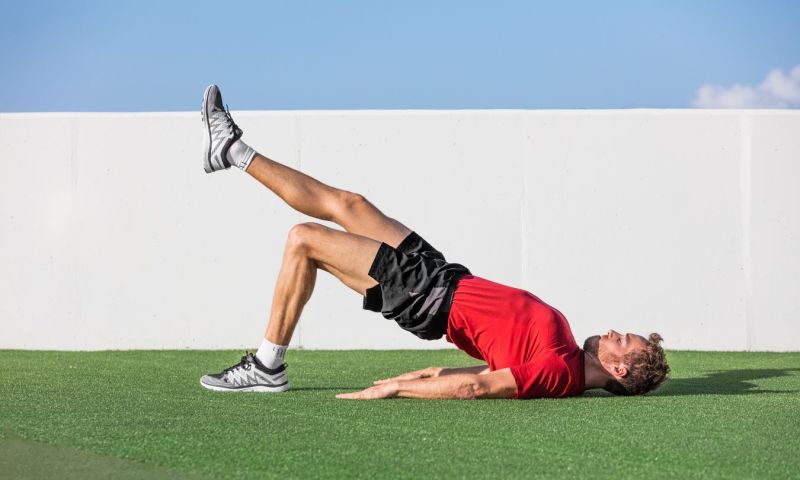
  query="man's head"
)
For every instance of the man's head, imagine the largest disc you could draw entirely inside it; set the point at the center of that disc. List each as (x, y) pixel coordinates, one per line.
(637, 365)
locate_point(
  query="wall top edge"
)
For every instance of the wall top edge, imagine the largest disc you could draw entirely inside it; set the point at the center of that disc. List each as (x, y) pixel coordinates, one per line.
(248, 113)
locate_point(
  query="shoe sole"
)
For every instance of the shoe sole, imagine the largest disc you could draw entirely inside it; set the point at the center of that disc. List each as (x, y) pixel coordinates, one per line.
(257, 388)
(208, 166)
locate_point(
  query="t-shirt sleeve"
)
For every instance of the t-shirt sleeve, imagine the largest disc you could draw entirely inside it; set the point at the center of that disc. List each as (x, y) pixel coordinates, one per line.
(544, 377)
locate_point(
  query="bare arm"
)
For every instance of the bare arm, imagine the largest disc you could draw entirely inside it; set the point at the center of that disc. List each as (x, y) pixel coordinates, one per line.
(476, 369)
(436, 372)
(497, 384)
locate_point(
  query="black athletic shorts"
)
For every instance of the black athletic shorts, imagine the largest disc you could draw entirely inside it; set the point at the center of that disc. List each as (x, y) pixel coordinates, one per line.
(415, 286)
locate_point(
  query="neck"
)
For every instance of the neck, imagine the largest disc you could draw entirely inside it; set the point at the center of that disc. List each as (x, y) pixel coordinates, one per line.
(594, 374)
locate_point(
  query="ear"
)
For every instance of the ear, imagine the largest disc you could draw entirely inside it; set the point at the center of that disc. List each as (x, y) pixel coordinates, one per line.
(620, 371)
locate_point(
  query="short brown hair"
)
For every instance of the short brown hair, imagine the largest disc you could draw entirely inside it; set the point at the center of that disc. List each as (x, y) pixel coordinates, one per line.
(647, 370)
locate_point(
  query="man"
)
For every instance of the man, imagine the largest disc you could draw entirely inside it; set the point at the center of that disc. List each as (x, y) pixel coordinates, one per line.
(527, 345)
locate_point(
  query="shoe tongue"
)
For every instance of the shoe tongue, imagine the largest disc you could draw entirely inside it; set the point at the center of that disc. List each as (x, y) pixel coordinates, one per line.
(256, 361)
(218, 105)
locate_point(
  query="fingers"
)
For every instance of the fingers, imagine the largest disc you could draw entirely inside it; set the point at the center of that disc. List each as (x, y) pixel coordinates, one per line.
(362, 395)
(348, 396)
(405, 376)
(371, 393)
(385, 380)
(399, 377)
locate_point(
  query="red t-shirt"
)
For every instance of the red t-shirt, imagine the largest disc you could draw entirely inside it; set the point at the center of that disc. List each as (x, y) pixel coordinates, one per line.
(511, 328)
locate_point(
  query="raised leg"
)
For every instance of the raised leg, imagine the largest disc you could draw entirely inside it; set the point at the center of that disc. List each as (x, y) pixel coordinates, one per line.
(308, 195)
(311, 246)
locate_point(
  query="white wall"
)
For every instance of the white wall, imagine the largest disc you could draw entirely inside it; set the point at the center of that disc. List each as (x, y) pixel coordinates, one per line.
(681, 222)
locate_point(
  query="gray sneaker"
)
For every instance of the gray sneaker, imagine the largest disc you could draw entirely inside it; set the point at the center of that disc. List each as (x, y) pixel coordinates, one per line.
(249, 375)
(220, 131)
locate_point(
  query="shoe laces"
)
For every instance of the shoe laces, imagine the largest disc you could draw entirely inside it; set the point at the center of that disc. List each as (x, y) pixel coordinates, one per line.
(245, 363)
(225, 120)
(229, 120)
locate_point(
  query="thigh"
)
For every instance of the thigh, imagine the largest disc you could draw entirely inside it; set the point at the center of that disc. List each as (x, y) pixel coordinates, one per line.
(345, 255)
(360, 217)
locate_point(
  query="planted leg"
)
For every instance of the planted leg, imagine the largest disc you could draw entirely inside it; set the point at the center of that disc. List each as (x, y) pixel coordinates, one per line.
(311, 246)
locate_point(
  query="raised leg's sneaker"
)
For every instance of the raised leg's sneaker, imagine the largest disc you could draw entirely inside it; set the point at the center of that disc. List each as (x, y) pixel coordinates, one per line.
(221, 145)
(249, 375)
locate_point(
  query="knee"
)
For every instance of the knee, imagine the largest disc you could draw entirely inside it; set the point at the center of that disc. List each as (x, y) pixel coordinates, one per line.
(351, 203)
(301, 237)
(355, 200)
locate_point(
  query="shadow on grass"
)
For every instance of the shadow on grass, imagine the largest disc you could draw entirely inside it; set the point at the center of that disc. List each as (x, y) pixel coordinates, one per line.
(725, 382)
(25, 459)
(312, 389)
(718, 382)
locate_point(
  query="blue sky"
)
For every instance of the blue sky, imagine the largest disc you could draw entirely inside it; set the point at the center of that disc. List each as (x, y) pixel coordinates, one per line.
(158, 56)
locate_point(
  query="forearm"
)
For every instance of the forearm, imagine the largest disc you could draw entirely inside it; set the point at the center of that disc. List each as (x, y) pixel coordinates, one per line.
(475, 369)
(460, 386)
(428, 384)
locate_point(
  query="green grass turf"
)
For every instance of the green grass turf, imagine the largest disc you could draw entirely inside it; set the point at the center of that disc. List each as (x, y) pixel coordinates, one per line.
(86, 414)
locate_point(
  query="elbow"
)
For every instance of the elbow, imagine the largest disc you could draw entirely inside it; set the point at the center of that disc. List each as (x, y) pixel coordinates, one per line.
(472, 390)
(466, 392)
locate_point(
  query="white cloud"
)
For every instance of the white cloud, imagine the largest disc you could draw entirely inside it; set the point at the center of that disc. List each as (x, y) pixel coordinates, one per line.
(778, 90)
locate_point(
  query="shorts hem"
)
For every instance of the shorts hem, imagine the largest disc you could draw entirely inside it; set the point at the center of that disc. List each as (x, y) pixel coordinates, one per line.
(411, 237)
(377, 268)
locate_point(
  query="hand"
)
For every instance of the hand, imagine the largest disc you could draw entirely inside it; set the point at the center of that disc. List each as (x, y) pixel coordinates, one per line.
(384, 390)
(424, 373)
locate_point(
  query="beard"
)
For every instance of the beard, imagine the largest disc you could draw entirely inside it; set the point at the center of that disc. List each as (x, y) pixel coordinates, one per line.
(592, 344)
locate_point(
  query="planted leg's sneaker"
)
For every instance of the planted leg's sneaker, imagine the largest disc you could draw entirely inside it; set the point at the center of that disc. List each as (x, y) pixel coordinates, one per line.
(221, 145)
(249, 375)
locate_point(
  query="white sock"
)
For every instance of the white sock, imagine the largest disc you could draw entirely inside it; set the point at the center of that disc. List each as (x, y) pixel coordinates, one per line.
(271, 355)
(240, 154)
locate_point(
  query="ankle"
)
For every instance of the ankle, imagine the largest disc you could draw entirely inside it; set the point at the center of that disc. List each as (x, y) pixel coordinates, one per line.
(271, 355)
(240, 154)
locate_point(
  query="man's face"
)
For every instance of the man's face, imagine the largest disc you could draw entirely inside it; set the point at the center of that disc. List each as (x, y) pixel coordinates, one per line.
(613, 346)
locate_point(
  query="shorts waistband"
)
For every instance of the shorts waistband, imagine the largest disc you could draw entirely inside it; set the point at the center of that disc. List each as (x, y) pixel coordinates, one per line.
(444, 312)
